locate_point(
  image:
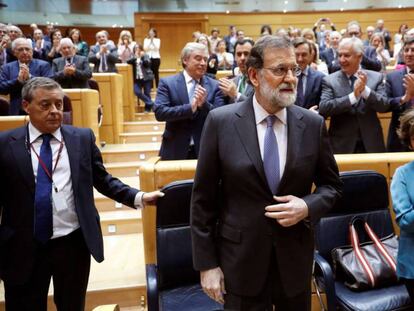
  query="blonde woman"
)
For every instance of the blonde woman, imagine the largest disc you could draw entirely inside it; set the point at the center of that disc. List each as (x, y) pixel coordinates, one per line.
(377, 41)
(125, 46)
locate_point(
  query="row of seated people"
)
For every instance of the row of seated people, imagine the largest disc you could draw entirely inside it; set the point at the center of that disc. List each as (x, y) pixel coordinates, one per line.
(351, 96)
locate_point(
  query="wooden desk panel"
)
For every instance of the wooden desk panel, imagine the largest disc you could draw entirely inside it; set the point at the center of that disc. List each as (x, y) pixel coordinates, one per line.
(11, 122)
(128, 95)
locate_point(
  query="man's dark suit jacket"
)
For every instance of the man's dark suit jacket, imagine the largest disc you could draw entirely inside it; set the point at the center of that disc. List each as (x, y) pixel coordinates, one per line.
(230, 192)
(369, 61)
(17, 191)
(111, 58)
(313, 88)
(172, 105)
(10, 85)
(328, 57)
(348, 122)
(396, 90)
(82, 74)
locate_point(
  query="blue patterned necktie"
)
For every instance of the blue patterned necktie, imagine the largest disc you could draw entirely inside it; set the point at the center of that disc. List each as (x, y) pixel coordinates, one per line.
(104, 66)
(271, 156)
(43, 193)
(192, 90)
(352, 79)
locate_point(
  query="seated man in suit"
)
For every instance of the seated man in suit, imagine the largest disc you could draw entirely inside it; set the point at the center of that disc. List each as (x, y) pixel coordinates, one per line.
(252, 207)
(238, 88)
(183, 101)
(400, 91)
(330, 55)
(71, 70)
(50, 226)
(309, 86)
(15, 74)
(352, 97)
(104, 54)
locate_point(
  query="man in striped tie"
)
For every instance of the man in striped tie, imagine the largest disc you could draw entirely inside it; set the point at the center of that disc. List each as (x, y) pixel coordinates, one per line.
(252, 206)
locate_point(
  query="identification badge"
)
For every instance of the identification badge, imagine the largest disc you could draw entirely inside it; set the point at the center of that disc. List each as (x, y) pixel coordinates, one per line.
(58, 199)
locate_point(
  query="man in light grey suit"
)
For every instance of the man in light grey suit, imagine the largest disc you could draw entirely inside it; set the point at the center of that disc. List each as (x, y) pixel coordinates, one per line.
(71, 70)
(238, 88)
(352, 97)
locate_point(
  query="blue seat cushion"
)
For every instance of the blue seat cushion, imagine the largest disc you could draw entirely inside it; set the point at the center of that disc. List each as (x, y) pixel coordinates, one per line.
(187, 298)
(387, 298)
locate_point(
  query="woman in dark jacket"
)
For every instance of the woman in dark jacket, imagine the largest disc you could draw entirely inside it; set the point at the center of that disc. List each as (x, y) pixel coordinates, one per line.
(142, 75)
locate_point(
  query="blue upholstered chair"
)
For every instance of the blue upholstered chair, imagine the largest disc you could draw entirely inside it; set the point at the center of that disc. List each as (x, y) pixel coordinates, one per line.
(365, 194)
(172, 283)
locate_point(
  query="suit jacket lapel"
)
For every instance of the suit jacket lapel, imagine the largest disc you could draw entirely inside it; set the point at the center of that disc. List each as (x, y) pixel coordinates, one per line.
(296, 128)
(309, 85)
(245, 124)
(181, 88)
(72, 143)
(23, 159)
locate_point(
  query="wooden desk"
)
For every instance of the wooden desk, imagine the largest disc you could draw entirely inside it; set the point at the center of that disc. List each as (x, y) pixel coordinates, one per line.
(128, 96)
(223, 73)
(111, 88)
(11, 122)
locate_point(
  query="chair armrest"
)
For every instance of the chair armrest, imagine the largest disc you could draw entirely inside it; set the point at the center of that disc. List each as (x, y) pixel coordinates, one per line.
(322, 266)
(152, 287)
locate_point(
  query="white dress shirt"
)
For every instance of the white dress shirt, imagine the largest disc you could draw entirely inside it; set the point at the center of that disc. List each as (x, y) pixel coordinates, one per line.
(352, 98)
(152, 47)
(279, 127)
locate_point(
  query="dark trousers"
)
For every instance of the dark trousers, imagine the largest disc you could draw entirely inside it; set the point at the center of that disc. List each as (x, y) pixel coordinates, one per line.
(155, 67)
(145, 96)
(273, 294)
(409, 284)
(67, 260)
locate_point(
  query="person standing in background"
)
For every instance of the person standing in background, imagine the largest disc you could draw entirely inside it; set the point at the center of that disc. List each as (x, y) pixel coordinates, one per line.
(125, 46)
(152, 45)
(81, 46)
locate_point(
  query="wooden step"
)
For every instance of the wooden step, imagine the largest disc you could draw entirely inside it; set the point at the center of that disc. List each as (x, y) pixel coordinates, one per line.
(129, 152)
(121, 222)
(124, 169)
(145, 116)
(143, 126)
(140, 137)
(119, 279)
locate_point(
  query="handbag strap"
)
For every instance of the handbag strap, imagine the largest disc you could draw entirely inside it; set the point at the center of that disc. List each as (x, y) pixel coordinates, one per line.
(359, 255)
(380, 247)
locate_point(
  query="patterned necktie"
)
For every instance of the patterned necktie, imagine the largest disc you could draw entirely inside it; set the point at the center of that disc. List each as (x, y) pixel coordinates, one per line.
(43, 193)
(192, 90)
(104, 67)
(242, 85)
(352, 79)
(299, 97)
(271, 156)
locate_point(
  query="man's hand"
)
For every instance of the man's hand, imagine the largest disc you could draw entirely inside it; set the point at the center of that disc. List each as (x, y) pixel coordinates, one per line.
(228, 87)
(149, 198)
(289, 211)
(200, 95)
(408, 83)
(314, 108)
(360, 83)
(103, 49)
(24, 73)
(212, 282)
(69, 70)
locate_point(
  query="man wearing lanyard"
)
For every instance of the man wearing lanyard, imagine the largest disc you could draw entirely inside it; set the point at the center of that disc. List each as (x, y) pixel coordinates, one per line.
(49, 224)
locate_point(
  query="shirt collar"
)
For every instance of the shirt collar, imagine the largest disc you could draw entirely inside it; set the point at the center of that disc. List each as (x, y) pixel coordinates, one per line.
(187, 77)
(306, 71)
(34, 134)
(261, 114)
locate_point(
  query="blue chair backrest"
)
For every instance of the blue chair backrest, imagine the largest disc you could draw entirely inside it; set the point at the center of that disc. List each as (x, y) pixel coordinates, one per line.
(174, 253)
(365, 193)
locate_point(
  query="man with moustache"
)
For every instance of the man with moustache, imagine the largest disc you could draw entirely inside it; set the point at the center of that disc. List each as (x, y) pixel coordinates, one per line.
(352, 97)
(238, 88)
(252, 205)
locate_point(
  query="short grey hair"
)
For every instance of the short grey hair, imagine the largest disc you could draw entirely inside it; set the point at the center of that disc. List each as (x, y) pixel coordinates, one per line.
(190, 48)
(38, 83)
(20, 41)
(66, 41)
(354, 42)
(256, 57)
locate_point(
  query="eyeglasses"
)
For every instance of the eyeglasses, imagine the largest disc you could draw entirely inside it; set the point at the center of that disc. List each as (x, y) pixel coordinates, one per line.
(44, 106)
(281, 71)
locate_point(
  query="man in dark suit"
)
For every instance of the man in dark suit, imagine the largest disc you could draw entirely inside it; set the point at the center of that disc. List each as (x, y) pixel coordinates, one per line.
(104, 54)
(40, 45)
(330, 55)
(309, 86)
(238, 88)
(252, 208)
(183, 101)
(15, 74)
(49, 224)
(400, 91)
(71, 70)
(352, 97)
